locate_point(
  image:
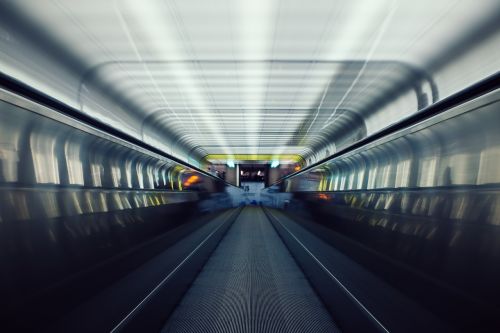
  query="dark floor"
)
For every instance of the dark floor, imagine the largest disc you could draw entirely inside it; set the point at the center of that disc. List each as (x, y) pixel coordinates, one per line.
(251, 284)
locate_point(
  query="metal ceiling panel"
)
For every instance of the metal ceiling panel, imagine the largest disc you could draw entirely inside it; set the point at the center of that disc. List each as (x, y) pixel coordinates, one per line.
(197, 78)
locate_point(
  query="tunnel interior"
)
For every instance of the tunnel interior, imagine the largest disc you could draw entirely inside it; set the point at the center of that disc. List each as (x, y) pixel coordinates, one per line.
(249, 166)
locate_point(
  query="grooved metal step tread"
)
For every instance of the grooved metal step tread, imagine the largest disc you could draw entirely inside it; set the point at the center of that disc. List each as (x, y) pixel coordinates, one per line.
(251, 284)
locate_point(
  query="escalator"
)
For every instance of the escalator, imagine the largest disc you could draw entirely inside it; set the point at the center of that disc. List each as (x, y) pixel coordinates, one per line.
(251, 283)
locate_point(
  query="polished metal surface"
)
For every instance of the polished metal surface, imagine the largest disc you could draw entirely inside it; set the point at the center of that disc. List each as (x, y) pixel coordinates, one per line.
(251, 284)
(73, 198)
(42, 147)
(423, 200)
(459, 147)
(376, 121)
(249, 77)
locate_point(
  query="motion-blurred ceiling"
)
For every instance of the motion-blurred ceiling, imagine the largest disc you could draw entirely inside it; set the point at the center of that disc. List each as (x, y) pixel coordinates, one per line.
(291, 80)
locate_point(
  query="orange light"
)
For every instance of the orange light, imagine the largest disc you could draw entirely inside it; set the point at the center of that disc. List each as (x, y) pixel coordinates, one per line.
(191, 180)
(297, 168)
(323, 196)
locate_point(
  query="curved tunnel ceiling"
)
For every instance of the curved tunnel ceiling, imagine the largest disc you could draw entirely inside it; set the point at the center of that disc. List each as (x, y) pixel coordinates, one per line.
(198, 78)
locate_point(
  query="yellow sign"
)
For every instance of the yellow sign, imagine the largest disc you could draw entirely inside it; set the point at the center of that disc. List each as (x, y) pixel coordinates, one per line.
(255, 157)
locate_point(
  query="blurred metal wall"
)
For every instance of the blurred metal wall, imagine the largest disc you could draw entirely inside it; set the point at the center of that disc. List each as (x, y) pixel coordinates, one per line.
(427, 196)
(72, 196)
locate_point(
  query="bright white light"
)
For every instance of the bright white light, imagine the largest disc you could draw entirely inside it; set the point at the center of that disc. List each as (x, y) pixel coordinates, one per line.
(275, 164)
(204, 67)
(255, 37)
(230, 164)
(162, 37)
